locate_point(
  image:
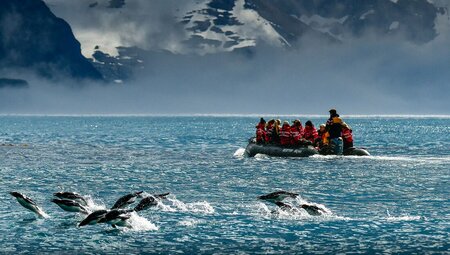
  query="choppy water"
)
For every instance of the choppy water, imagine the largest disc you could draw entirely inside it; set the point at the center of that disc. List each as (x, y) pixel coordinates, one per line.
(396, 201)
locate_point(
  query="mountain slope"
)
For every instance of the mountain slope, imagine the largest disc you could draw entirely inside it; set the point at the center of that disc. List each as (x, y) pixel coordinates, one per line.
(34, 38)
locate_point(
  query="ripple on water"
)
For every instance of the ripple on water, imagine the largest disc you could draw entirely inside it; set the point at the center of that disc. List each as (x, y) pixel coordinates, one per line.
(213, 206)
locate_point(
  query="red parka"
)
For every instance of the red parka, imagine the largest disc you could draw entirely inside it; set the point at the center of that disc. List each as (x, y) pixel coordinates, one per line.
(296, 134)
(310, 133)
(269, 132)
(347, 135)
(285, 135)
(261, 135)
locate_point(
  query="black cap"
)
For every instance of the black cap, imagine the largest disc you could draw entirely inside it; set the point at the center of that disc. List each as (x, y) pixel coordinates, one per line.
(262, 120)
(332, 110)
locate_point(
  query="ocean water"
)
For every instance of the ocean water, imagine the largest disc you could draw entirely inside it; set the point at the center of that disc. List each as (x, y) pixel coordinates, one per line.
(395, 201)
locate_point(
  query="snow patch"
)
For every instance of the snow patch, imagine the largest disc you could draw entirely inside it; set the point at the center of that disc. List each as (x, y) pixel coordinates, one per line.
(394, 25)
(364, 15)
(321, 24)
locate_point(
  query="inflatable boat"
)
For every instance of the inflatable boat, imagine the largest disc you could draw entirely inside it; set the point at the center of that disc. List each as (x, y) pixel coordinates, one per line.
(254, 148)
(277, 151)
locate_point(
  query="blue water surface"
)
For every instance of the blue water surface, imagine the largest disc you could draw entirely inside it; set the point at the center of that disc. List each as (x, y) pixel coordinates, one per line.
(395, 201)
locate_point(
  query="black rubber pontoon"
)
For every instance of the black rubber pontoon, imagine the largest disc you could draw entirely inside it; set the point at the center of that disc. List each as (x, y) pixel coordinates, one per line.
(277, 151)
(302, 151)
(356, 152)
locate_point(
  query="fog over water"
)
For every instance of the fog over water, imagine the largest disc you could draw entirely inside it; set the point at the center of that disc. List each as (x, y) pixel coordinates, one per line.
(364, 76)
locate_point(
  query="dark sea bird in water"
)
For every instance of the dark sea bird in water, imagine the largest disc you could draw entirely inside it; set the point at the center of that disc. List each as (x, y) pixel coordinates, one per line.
(117, 217)
(28, 203)
(70, 205)
(150, 201)
(71, 196)
(126, 200)
(277, 196)
(310, 209)
(93, 218)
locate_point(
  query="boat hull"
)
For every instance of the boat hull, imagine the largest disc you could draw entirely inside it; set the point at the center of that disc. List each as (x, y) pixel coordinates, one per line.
(278, 151)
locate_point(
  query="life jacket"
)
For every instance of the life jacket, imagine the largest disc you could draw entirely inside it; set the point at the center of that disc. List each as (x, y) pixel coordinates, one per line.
(269, 132)
(296, 134)
(347, 135)
(285, 135)
(335, 130)
(260, 133)
(310, 133)
(325, 138)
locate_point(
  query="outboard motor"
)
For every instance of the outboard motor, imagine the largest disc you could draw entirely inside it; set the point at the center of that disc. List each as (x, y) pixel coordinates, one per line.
(337, 146)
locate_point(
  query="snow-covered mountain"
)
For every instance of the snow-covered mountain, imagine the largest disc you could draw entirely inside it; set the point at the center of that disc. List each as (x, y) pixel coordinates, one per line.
(219, 25)
(118, 35)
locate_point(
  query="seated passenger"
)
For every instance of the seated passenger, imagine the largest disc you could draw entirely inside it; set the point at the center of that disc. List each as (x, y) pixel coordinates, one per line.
(270, 130)
(323, 135)
(296, 132)
(285, 134)
(276, 132)
(347, 136)
(310, 132)
(261, 131)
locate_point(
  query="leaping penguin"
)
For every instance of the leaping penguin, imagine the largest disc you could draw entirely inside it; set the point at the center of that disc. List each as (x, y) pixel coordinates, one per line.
(117, 217)
(310, 209)
(70, 206)
(278, 196)
(126, 200)
(150, 201)
(28, 203)
(93, 218)
(71, 196)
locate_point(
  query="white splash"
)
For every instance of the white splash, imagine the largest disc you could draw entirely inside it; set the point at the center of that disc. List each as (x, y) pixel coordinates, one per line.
(196, 207)
(188, 222)
(139, 223)
(403, 217)
(260, 156)
(43, 214)
(239, 153)
(92, 206)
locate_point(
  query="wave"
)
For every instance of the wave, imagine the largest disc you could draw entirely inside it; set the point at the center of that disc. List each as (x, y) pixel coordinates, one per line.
(178, 206)
(189, 222)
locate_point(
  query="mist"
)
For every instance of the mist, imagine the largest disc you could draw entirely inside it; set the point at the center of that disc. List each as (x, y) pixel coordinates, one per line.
(368, 75)
(364, 77)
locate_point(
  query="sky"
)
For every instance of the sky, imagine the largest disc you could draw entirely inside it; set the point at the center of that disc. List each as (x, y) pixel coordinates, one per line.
(363, 76)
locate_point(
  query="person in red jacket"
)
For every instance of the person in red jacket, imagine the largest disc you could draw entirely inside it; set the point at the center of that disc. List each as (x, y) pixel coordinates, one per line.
(296, 132)
(310, 132)
(285, 134)
(347, 136)
(270, 131)
(261, 131)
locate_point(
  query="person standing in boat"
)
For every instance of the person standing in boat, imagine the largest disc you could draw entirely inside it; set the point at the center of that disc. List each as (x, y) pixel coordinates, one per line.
(285, 134)
(334, 129)
(296, 132)
(261, 132)
(310, 132)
